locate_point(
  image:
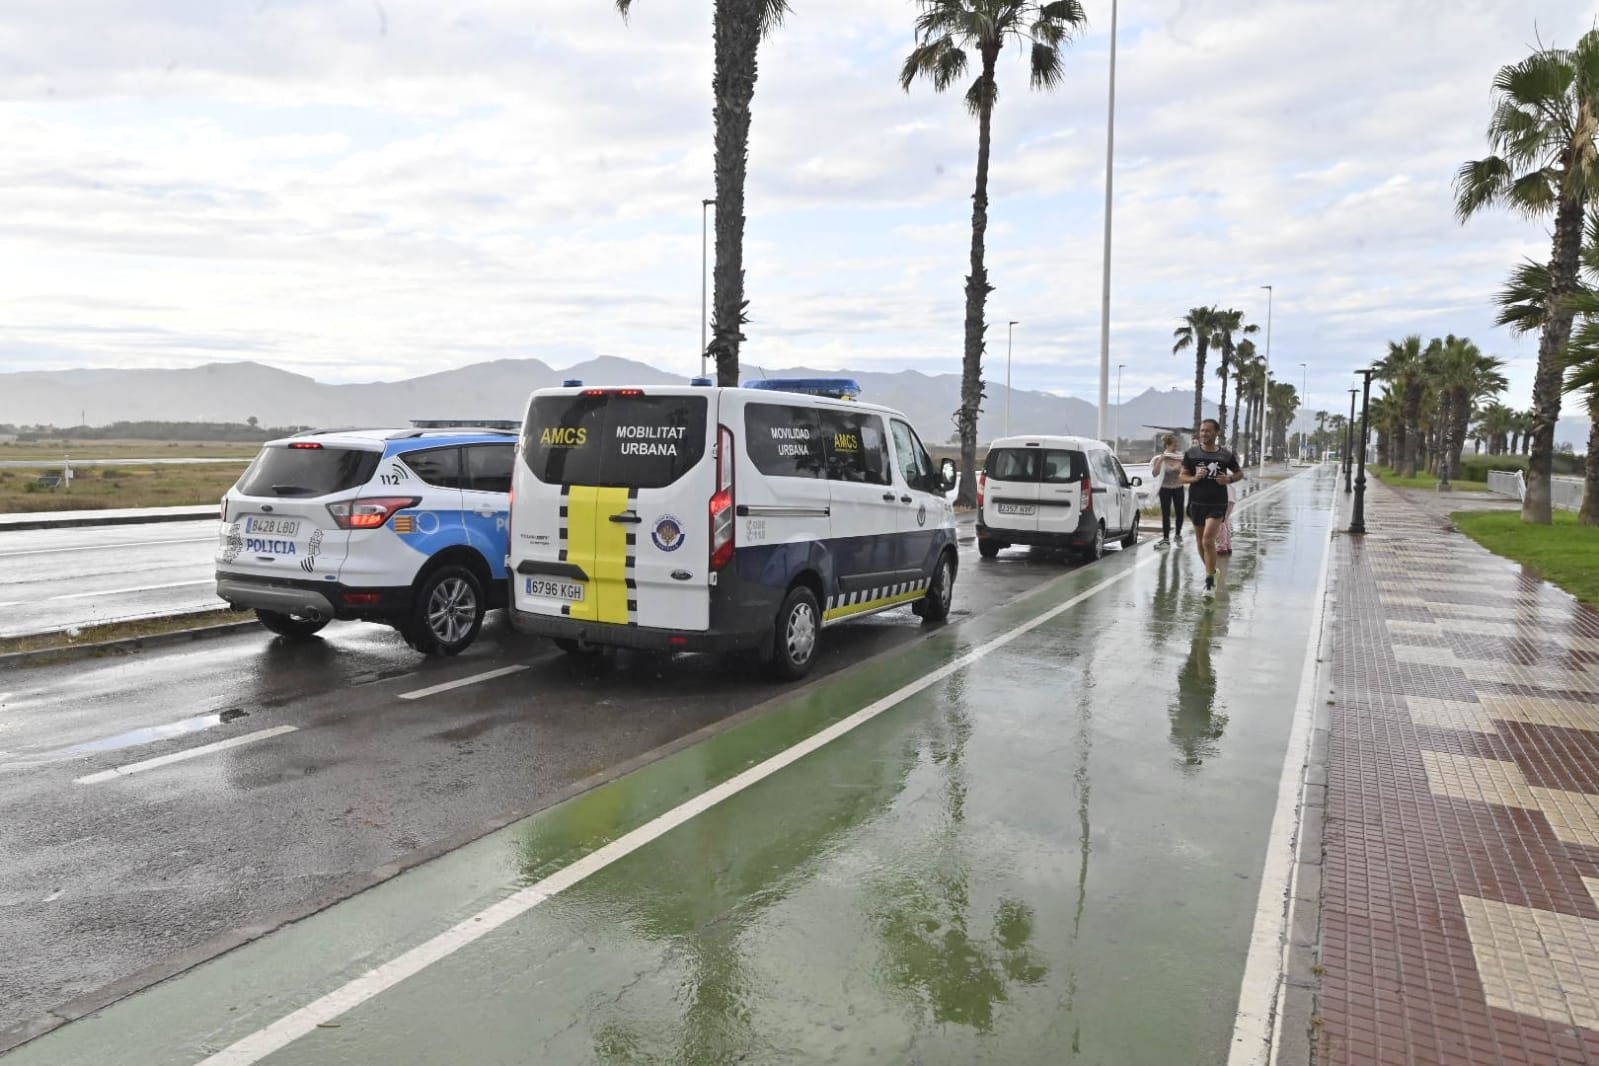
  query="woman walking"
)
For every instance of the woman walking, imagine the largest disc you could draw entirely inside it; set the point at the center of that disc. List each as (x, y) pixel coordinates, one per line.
(1167, 470)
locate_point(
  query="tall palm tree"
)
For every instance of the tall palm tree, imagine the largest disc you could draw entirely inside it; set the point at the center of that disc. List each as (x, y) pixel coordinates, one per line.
(1462, 377)
(1228, 324)
(1283, 405)
(738, 27)
(945, 31)
(1245, 359)
(1382, 418)
(1493, 423)
(1406, 367)
(1545, 131)
(1198, 332)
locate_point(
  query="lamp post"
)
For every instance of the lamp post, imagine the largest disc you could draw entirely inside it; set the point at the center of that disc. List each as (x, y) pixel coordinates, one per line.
(1304, 403)
(1010, 332)
(1265, 394)
(1118, 445)
(1357, 524)
(1104, 301)
(1349, 439)
(704, 204)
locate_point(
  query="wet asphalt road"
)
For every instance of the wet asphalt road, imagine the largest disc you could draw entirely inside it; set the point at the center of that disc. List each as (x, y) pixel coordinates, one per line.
(51, 579)
(100, 879)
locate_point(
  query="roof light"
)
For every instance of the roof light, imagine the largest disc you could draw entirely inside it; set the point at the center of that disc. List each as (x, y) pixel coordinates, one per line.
(701, 383)
(836, 388)
(305, 444)
(572, 383)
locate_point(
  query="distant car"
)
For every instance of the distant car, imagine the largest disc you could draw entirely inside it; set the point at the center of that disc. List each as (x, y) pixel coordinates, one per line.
(1056, 492)
(408, 527)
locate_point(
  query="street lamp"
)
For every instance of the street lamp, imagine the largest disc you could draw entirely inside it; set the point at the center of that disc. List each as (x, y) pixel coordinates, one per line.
(1104, 303)
(1118, 445)
(703, 205)
(1010, 332)
(1265, 399)
(1304, 402)
(1357, 524)
(1349, 439)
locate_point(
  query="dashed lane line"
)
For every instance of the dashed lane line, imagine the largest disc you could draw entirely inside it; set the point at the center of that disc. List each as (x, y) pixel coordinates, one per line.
(434, 690)
(180, 756)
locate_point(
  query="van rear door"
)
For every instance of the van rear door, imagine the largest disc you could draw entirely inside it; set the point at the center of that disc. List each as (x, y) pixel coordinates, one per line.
(620, 529)
(1061, 491)
(1010, 496)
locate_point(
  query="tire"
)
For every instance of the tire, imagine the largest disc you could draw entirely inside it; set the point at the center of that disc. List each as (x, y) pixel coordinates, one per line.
(293, 626)
(940, 593)
(1096, 548)
(795, 635)
(987, 547)
(1131, 539)
(577, 647)
(446, 612)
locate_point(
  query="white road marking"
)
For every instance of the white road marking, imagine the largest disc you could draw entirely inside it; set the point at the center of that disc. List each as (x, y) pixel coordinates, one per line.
(107, 547)
(1257, 1033)
(136, 588)
(462, 683)
(263, 1042)
(189, 753)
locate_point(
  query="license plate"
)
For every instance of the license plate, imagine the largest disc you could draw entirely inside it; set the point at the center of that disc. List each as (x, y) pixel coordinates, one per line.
(571, 591)
(277, 527)
(1015, 508)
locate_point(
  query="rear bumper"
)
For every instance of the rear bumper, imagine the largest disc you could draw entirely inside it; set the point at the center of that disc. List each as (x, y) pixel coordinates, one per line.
(325, 598)
(645, 638)
(1081, 536)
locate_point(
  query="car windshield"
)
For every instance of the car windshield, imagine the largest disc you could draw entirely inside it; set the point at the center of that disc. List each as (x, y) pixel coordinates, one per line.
(285, 470)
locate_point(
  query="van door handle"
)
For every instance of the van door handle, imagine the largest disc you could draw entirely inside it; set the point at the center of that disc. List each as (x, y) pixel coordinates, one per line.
(905, 499)
(626, 516)
(889, 496)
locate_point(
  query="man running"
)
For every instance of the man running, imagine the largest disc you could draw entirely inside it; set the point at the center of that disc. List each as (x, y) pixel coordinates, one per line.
(1209, 468)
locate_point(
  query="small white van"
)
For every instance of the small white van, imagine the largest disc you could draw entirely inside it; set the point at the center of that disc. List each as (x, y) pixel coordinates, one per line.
(700, 518)
(1056, 492)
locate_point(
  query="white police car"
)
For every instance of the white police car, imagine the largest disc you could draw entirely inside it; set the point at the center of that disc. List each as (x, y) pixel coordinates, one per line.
(406, 527)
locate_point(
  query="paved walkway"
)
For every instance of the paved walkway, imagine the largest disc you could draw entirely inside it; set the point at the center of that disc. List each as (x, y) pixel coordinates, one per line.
(1461, 913)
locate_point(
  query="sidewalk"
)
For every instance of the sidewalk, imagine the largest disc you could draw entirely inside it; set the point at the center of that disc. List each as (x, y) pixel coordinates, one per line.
(1460, 919)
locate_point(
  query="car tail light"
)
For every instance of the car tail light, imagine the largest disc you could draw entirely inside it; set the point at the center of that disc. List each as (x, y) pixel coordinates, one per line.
(722, 503)
(982, 487)
(1087, 489)
(369, 513)
(362, 599)
(306, 444)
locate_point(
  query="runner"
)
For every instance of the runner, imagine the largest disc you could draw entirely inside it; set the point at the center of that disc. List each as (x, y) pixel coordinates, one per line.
(1209, 468)
(1168, 467)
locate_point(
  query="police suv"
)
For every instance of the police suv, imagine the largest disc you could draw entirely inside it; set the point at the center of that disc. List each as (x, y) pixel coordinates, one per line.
(701, 518)
(402, 526)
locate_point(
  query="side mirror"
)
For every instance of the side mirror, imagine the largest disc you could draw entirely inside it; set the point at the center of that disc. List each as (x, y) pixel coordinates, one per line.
(1137, 481)
(948, 474)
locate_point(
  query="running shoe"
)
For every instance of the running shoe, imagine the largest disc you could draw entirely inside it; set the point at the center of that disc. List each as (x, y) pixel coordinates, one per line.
(1210, 584)
(1163, 542)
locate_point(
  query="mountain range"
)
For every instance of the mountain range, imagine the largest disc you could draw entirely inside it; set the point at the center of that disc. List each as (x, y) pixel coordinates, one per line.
(234, 392)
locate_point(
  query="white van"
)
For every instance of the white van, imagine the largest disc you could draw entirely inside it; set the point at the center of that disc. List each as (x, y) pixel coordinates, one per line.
(1057, 492)
(701, 518)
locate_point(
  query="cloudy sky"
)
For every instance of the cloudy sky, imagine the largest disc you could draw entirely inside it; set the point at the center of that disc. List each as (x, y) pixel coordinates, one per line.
(363, 190)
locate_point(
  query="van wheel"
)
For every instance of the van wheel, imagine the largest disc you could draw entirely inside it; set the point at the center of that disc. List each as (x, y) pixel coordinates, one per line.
(1131, 539)
(794, 637)
(941, 593)
(446, 613)
(987, 547)
(293, 626)
(1096, 548)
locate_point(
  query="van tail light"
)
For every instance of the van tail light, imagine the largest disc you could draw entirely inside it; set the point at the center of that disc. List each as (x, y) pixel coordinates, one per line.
(982, 487)
(722, 544)
(369, 513)
(1087, 490)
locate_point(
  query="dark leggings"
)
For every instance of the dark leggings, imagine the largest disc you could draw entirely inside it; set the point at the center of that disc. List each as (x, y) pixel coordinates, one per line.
(1171, 500)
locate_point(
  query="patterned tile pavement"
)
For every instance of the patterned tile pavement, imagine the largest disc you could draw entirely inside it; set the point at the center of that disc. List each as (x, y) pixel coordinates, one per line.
(1460, 909)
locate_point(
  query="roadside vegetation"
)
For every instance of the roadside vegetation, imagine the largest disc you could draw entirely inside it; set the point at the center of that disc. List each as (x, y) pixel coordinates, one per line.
(1389, 476)
(1564, 552)
(76, 639)
(55, 450)
(99, 487)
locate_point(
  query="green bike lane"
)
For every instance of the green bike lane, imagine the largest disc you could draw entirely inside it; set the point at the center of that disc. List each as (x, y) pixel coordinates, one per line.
(1037, 836)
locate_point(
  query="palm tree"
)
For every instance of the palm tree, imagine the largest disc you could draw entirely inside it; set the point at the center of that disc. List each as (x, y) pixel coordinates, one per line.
(1228, 323)
(1582, 361)
(1493, 423)
(1245, 360)
(1198, 331)
(738, 27)
(945, 30)
(1382, 417)
(1544, 125)
(1405, 366)
(1284, 404)
(1463, 376)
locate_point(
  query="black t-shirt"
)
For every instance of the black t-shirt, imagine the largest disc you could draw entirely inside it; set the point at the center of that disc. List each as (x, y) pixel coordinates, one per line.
(1207, 490)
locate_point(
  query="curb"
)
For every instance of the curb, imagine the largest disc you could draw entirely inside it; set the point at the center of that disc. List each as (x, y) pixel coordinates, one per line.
(105, 520)
(44, 656)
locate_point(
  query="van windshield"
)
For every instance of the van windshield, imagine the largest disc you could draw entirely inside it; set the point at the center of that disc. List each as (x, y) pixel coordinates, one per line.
(307, 471)
(1052, 466)
(614, 441)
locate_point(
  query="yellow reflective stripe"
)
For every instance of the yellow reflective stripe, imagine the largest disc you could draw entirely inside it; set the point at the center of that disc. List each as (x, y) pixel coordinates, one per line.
(609, 587)
(581, 505)
(872, 605)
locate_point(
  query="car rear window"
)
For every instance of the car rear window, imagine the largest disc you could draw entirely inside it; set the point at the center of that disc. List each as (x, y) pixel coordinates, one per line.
(1053, 466)
(614, 441)
(285, 470)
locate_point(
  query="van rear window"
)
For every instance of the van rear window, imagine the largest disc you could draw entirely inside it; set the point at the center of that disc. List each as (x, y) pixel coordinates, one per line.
(285, 471)
(614, 441)
(1051, 466)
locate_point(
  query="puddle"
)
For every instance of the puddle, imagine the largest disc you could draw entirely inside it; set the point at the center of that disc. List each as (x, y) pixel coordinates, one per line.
(156, 732)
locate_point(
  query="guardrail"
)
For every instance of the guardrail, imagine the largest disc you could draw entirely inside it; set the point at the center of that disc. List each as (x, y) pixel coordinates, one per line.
(1507, 483)
(1564, 492)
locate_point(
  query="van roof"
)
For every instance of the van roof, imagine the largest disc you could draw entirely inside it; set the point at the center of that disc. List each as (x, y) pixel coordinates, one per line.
(1046, 441)
(375, 439)
(753, 395)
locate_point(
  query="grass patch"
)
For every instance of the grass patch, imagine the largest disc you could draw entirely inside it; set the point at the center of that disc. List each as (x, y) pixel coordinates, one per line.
(99, 634)
(54, 450)
(1564, 553)
(1388, 476)
(96, 488)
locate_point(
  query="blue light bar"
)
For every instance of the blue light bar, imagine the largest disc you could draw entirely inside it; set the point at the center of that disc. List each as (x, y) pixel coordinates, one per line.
(572, 383)
(837, 388)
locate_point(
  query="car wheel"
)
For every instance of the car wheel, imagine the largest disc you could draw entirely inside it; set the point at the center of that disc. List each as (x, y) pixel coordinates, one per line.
(795, 635)
(941, 593)
(988, 547)
(1131, 539)
(446, 613)
(293, 626)
(1096, 548)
